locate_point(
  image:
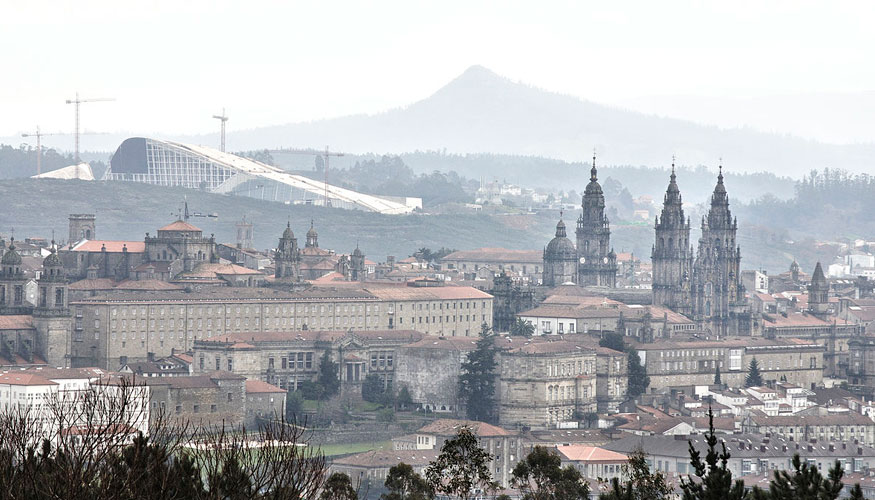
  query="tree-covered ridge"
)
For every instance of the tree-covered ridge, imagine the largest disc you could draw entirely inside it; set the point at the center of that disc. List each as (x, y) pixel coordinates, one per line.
(21, 161)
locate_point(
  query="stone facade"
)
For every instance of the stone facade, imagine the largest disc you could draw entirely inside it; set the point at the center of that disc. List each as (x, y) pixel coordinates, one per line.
(539, 382)
(113, 329)
(215, 400)
(505, 445)
(848, 427)
(672, 364)
(263, 401)
(288, 359)
(545, 383)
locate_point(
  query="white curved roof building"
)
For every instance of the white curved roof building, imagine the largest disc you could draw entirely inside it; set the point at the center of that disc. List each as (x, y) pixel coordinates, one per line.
(167, 163)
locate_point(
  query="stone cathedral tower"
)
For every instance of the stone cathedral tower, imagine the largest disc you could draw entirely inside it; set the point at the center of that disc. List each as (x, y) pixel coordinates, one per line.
(672, 255)
(717, 292)
(597, 262)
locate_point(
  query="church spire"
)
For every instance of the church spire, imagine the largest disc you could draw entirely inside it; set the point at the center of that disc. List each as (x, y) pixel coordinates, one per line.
(593, 177)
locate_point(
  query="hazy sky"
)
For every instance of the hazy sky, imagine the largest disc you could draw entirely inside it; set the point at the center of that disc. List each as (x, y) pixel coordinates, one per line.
(171, 65)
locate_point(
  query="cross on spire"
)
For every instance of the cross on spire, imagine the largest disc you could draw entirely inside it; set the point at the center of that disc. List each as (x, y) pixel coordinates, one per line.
(592, 173)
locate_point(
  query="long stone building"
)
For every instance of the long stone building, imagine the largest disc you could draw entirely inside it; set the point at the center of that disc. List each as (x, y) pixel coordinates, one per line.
(112, 330)
(286, 359)
(679, 363)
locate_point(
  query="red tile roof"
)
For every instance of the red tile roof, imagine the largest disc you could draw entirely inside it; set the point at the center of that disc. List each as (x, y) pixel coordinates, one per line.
(111, 246)
(583, 453)
(388, 458)
(16, 322)
(259, 387)
(450, 427)
(498, 255)
(179, 226)
(24, 378)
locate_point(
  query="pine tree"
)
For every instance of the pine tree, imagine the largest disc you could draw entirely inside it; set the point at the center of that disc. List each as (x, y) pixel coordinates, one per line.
(328, 376)
(372, 388)
(804, 482)
(717, 380)
(754, 378)
(714, 477)
(856, 492)
(638, 379)
(477, 381)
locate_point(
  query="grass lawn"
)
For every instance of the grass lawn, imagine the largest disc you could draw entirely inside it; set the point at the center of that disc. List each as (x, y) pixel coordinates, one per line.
(342, 449)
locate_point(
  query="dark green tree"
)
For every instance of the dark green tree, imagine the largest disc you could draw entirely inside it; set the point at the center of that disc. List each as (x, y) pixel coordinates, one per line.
(540, 476)
(640, 483)
(338, 486)
(461, 468)
(404, 399)
(372, 388)
(233, 483)
(714, 477)
(856, 492)
(294, 406)
(717, 380)
(477, 381)
(404, 483)
(638, 379)
(613, 340)
(522, 328)
(754, 378)
(804, 482)
(311, 390)
(328, 376)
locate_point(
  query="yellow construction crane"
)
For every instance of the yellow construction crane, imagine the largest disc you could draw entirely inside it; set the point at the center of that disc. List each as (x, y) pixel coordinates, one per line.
(39, 149)
(77, 102)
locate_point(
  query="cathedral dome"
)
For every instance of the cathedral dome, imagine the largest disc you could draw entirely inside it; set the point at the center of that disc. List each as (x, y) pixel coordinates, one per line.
(357, 252)
(11, 257)
(312, 232)
(561, 246)
(52, 260)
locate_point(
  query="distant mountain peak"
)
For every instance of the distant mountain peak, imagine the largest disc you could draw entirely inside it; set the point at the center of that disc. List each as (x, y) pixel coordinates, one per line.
(477, 74)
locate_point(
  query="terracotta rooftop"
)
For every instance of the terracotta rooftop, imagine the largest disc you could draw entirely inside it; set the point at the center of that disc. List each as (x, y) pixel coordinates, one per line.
(450, 427)
(24, 378)
(388, 458)
(245, 340)
(16, 322)
(179, 226)
(498, 255)
(222, 294)
(404, 292)
(259, 387)
(111, 246)
(582, 453)
(211, 270)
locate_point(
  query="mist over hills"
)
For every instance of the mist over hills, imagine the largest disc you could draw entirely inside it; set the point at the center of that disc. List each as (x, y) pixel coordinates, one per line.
(482, 112)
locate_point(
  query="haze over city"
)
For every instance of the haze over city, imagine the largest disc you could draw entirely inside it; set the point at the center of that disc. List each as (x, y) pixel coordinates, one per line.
(437, 251)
